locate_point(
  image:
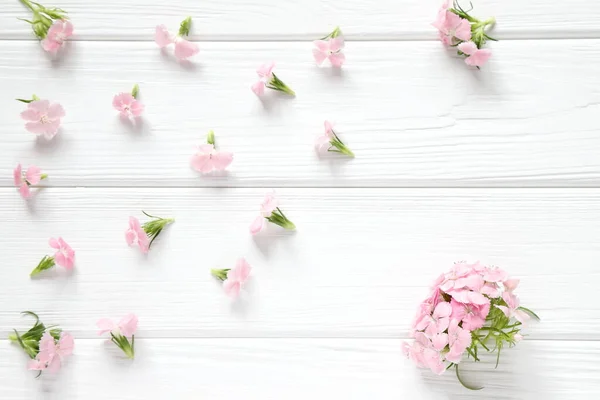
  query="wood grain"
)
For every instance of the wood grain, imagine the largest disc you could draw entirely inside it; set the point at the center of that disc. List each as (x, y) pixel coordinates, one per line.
(414, 116)
(286, 20)
(357, 266)
(298, 369)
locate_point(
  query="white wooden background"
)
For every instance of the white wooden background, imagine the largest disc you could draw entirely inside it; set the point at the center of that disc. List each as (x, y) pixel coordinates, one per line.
(500, 164)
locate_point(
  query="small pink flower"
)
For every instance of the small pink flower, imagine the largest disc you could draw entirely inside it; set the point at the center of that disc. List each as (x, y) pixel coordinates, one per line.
(33, 176)
(512, 310)
(162, 37)
(185, 49)
(236, 277)
(208, 159)
(269, 204)
(330, 49)
(136, 235)
(323, 142)
(495, 274)
(511, 284)
(265, 75)
(65, 256)
(57, 35)
(475, 57)
(43, 118)
(439, 320)
(52, 353)
(127, 326)
(127, 105)
(269, 211)
(433, 360)
(472, 315)
(458, 341)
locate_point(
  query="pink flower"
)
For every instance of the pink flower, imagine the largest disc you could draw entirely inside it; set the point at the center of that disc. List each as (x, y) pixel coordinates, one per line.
(44, 118)
(512, 310)
(491, 290)
(269, 204)
(265, 75)
(51, 353)
(162, 37)
(458, 340)
(208, 159)
(323, 142)
(511, 284)
(258, 224)
(417, 348)
(472, 315)
(494, 274)
(65, 256)
(127, 105)
(127, 326)
(185, 49)
(57, 35)
(236, 277)
(439, 320)
(433, 360)
(475, 57)
(329, 49)
(33, 176)
(451, 26)
(136, 235)
(439, 341)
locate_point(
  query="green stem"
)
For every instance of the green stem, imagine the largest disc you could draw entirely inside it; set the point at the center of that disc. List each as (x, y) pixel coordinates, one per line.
(43, 176)
(220, 274)
(46, 263)
(483, 24)
(278, 218)
(338, 144)
(464, 384)
(135, 91)
(28, 4)
(184, 27)
(210, 139)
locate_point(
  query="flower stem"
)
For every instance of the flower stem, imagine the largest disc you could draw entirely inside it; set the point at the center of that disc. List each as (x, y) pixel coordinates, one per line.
(46, 263)
(278, 218)
(277, 84)
(220, 274)
(464, 384)
(28, 4)
(135, 91)
(43, 176)
(342, 148)
(184, 27)
(210, 139)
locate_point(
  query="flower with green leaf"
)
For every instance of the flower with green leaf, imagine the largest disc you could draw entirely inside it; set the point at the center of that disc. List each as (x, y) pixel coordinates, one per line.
(50, 25)
(268, 79)
(184, 49)
(330, 141)
(270, 211)
(144, 235)
(122, 333)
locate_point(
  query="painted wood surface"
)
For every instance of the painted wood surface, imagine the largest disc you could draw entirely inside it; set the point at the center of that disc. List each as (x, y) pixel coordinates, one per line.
(414, 116)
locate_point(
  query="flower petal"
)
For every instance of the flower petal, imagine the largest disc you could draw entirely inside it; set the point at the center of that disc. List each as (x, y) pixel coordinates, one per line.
(257, 225)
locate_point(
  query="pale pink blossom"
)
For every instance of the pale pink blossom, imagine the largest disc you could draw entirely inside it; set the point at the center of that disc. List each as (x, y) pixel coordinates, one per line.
(265, 75)
(185, 49)
(127, 326)
(415, 350)
(433, 361)
(136, 235)
(475, 57)
(512, 311)
(511, 284)
(495, 274)
(458, 340)
(491, 290)
(269, 204)
(127, 105)
(57, 35)
(258, 224)
(323, 142)
(236, 277)
(22, 181)
(52, 353)
(208, 159)
(472, 315)
(439, 341)
(438, 321)
(162, 37)
(43, 118)
(65, 256)
(451, 27)
(329, 49)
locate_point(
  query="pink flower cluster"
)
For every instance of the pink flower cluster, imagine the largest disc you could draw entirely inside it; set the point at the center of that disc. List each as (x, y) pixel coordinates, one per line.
(23, 181)
(52, 352)
(457, 28)
(467, 306)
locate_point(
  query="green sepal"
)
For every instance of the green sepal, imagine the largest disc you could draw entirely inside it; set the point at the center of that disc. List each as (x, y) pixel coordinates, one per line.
(135, 91)
(46, 263)
(154, 228)
(277, 84)
(210, 138)
(220, 274)
(278, 217)
(185, 26)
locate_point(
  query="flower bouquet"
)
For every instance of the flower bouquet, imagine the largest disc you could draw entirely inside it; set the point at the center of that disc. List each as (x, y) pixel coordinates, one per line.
(471, 307)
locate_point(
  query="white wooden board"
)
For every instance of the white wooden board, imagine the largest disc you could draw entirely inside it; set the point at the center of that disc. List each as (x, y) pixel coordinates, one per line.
(261, 369)
(289, 20)
(358, 265)
(413, 115)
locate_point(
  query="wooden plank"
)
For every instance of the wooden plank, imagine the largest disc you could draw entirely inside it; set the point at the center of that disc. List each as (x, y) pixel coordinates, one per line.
(414, 116)
(299, 369)
(285, 20)
(358, 265)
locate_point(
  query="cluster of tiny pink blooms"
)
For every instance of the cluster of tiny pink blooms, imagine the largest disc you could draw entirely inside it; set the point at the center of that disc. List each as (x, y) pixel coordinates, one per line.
(23, 181)
(208, 158)
(270, 211)
(64, 256)
(330, 48)
(457, 28)
(184, 49)
(43, 118)
(46, 346)
(127, 103)
(268, 79)
(472, 305)
(233, 279)
(50, 25)
(122, 333)
(142, 235)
